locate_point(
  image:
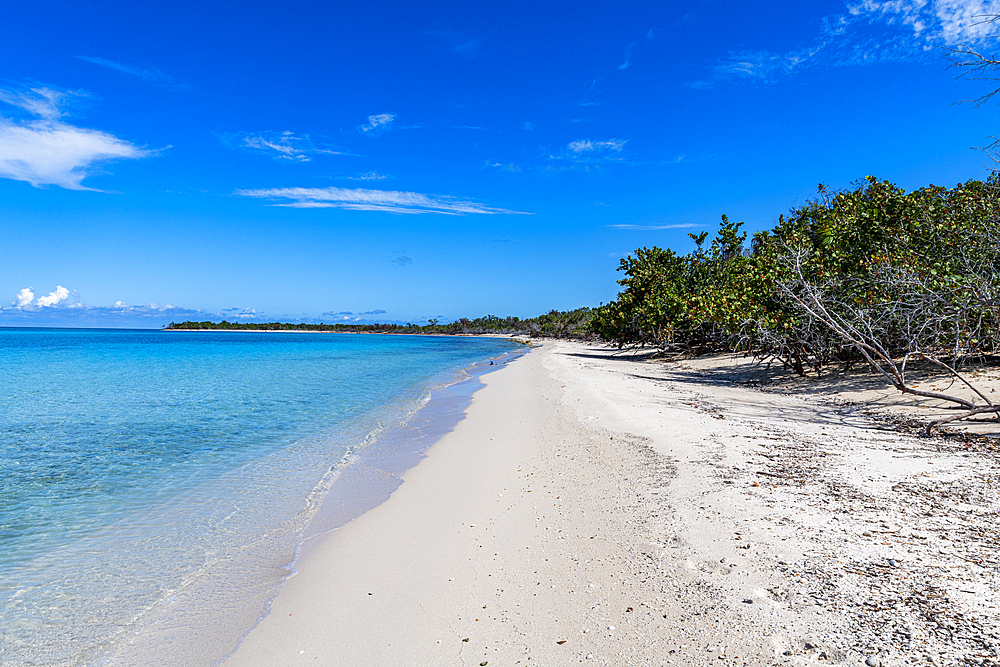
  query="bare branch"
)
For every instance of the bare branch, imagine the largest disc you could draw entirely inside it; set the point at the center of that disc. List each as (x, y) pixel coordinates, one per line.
(973, 65)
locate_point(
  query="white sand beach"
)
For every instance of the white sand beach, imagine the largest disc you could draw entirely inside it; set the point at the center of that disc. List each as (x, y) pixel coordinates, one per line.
(599, 509)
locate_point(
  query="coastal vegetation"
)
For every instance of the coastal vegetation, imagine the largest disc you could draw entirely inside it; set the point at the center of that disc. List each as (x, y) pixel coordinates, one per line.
(571, 323)
(871, 274)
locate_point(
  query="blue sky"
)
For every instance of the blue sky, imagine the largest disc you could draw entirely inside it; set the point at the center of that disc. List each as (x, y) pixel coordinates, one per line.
(401, 161)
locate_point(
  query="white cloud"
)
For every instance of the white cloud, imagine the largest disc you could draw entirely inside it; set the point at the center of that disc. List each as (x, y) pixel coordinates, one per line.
(359, 199)
(47, 151)
(23, 298)
(588, 146)
(872, 31)
(378, 123)
(969, 21)
(57, 296)
(947, 22)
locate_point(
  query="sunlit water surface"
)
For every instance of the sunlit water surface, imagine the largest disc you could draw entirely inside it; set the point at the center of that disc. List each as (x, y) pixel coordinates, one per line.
(155, 485)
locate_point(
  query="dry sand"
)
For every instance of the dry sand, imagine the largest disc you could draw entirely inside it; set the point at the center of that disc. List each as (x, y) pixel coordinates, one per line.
(607, 510)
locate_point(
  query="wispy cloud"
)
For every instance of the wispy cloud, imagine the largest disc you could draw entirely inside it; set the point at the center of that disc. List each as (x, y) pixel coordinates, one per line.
(47, 151)
(358, 199)
(370, 176)
(593, 91)
(866, 32)
(459, 44)
(280, 145)
(504, 166)
(148, 74)
(631, 48)
(377, 124)
(762, 66)
(589, 153)
(652, 227)
(588, 146)
(591, 156)
(45, 103)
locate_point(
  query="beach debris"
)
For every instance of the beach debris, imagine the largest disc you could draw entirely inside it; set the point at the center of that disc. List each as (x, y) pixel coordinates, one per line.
(466, 639)
(561, 642)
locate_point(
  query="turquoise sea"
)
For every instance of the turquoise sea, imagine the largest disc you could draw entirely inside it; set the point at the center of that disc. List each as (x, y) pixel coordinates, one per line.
(155, 487)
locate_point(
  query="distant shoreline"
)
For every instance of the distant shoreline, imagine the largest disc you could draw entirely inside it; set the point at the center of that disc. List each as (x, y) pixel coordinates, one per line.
(513, 336)
(554, 324)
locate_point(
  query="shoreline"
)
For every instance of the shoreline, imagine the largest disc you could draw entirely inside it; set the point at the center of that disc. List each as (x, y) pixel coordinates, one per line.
(375, 472)
(398, 449)
(613, 511)
(364, 477)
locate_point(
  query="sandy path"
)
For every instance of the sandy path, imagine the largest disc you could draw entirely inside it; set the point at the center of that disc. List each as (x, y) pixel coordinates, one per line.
(609, 511)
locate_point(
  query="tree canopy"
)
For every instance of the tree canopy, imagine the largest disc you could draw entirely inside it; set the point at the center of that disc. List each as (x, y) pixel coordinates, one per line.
(918, 271)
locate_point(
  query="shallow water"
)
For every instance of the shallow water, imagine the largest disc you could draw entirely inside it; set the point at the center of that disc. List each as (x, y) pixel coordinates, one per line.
(153, 484)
